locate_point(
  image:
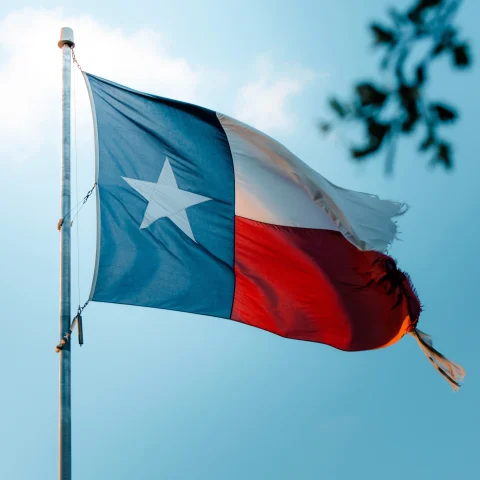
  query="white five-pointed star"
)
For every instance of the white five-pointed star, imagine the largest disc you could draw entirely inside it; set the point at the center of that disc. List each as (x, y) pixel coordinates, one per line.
(165, 199)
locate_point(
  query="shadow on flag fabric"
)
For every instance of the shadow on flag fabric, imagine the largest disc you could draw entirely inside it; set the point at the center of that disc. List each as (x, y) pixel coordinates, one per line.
(200, 213)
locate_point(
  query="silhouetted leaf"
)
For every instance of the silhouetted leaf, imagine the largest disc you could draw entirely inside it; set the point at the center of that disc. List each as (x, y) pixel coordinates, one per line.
(360, 153)
(461, 55)
(370, 95)
(376, 134)
(383, 35)
(421, 75)
(408, 93)
(427, 143)
(443, 112)
(445, 42)
(340, 110)
(412, 119)
(377, 130)
(416, 13)
(444, 155)
(409, 97)
(439, 48)
(423, 4)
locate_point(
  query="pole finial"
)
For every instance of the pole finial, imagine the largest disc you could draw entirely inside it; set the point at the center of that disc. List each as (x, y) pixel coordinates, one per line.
(66, 37)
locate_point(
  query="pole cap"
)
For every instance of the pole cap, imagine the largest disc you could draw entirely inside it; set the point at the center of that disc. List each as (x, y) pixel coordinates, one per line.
(66, 37)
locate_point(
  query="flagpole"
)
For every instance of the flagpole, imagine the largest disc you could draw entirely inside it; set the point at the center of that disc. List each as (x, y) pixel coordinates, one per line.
(65, 427)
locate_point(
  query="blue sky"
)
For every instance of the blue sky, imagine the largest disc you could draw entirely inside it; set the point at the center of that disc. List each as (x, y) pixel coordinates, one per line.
(169, 395)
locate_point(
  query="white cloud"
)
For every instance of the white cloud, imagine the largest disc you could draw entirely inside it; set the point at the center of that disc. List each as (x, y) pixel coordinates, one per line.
(264, 103)
(30, 79)
(30, 73)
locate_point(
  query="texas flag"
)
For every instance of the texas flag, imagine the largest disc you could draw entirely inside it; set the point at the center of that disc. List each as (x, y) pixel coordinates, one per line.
(200, 213)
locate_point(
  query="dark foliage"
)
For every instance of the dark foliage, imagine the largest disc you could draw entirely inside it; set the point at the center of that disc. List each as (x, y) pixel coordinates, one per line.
(389, 113)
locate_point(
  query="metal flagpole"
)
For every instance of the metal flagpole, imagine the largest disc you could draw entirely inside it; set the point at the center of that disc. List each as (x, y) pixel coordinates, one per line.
(65, 428)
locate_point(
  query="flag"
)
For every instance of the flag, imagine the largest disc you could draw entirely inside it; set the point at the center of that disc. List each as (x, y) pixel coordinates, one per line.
(198, 212)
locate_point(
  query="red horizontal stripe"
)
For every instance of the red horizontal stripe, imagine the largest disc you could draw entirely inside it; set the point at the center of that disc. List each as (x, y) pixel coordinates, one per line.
(314, 285)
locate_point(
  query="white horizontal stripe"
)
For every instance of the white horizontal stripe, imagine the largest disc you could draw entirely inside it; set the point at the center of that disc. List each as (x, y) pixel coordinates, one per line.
(274, 186)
